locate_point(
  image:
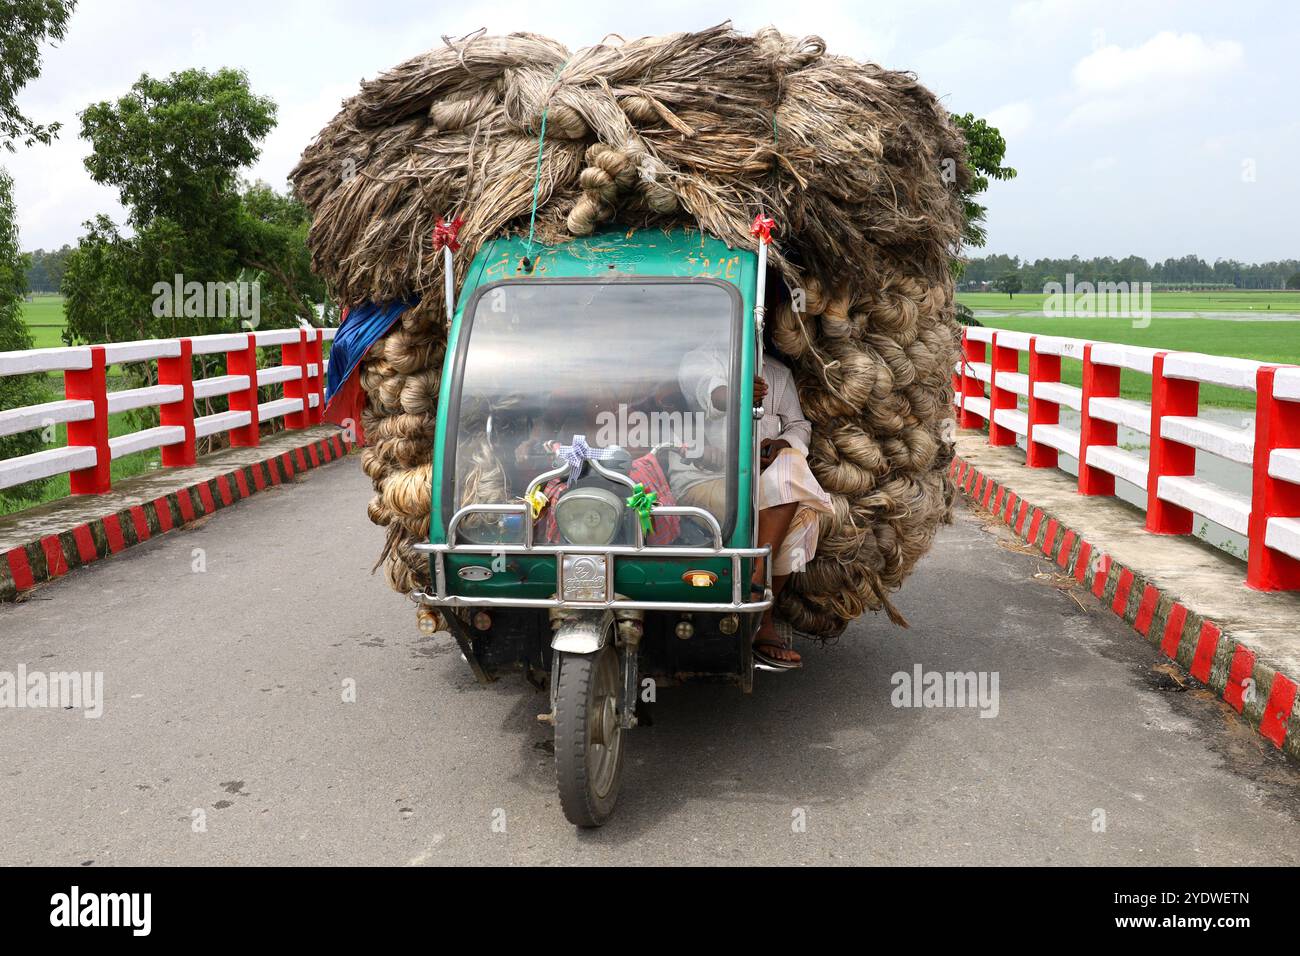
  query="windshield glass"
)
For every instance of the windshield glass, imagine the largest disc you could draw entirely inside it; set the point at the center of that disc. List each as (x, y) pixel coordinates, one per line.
(641, 368)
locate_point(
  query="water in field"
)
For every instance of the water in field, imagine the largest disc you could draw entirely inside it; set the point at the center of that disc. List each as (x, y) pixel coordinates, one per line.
(1228, 475)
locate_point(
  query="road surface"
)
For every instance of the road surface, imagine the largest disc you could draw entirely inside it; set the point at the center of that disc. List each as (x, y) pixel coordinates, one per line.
(227, 650)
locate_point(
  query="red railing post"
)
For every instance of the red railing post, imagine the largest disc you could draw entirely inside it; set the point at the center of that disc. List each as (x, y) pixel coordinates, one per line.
(1042, 368)
(1005, 359)
(1099, 381)
(295, 353)
(972, 351)
(244, 362)
(958, 378)
(91, 385)
(179, 371)
(1169, 396)
(1277, 425)
(316, 356)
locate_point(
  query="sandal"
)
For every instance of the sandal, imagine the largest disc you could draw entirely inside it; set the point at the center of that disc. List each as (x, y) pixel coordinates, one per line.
(770, 661)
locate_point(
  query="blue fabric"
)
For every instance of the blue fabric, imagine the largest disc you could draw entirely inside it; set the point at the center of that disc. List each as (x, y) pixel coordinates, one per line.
(364, 326)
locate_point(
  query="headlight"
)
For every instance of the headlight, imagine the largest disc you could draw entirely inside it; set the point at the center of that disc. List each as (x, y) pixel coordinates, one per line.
(589, 516)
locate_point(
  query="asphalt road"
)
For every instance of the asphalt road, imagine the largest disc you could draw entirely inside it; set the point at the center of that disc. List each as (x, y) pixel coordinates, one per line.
(225, 737)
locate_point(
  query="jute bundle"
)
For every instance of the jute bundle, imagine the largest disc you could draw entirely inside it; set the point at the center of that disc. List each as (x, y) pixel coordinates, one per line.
(701, 130)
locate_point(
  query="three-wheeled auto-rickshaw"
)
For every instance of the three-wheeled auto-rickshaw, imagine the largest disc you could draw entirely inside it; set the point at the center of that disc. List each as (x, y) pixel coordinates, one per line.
(574, 420)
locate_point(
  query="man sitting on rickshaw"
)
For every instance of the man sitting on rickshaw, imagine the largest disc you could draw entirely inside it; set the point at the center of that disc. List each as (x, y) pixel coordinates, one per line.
(790, 498)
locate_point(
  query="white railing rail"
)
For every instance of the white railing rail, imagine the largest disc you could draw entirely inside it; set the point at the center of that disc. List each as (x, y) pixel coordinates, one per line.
(87, 402)
(1269, 517)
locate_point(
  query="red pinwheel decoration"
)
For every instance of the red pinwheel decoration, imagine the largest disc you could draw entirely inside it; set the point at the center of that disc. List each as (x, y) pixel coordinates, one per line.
(762, 227)
(444, 233)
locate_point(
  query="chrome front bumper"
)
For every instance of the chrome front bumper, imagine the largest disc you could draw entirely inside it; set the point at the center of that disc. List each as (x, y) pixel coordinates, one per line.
(596, 565)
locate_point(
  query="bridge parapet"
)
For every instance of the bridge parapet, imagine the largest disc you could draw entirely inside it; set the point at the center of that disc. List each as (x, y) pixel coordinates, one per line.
(1269, 517)
(87, 402)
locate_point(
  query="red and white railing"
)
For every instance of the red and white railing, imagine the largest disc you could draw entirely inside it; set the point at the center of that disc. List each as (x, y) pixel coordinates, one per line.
(1269, 517)
(87, 403)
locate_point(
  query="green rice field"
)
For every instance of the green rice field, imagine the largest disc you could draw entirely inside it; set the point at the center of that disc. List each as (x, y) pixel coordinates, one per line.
(1218, 301)
(44, 317)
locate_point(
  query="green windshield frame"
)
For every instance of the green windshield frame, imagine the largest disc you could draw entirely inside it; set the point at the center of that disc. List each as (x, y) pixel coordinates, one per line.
(736, 470)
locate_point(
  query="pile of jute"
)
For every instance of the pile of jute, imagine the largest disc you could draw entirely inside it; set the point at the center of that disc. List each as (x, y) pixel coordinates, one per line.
(859, 166)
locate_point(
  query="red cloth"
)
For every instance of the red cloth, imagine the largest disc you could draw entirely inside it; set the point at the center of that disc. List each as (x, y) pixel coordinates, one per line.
(345, 405)
(644, 471)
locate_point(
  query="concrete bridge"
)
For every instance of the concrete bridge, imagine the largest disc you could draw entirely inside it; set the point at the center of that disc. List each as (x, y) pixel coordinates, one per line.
(265, 699)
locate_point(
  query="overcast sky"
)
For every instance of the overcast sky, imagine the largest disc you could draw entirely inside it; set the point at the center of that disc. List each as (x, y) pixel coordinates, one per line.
(1149, 128)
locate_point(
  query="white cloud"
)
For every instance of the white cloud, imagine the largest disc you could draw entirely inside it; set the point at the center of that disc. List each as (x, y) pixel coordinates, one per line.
(1164, 59)
(1036, 13)
(1162, 76)
(300, 118)
(1013, 119)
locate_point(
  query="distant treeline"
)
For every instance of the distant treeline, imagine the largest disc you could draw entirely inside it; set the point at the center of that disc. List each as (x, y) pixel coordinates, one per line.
(1187, 272)
(45, 269)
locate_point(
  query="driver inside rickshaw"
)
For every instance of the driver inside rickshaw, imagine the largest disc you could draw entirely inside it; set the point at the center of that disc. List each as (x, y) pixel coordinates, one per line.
(790, 497)
(594, 411)
(567, 411)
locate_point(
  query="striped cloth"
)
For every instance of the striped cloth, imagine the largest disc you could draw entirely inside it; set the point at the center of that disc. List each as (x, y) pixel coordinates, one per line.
(646, 472)
(787, 479)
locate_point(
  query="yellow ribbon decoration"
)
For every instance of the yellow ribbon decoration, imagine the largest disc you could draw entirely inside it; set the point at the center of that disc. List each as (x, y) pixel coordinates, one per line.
(537, 501)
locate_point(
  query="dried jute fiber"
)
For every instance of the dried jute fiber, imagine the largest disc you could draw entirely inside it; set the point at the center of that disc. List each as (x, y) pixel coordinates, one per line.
(693, 130)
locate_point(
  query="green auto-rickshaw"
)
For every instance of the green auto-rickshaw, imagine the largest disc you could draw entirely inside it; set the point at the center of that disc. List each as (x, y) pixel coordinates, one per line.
(569, 430)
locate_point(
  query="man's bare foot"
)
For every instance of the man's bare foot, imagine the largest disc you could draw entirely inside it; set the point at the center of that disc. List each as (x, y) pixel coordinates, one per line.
(768, 644)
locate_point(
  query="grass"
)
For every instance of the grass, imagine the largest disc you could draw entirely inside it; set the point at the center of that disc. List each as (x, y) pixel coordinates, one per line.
(44, 317)
(58, 487)
(1226, 301)
(1262, 341)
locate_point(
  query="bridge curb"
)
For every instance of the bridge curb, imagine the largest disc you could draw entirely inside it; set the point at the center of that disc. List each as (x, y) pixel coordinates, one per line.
(54, 555)
(1214, 658)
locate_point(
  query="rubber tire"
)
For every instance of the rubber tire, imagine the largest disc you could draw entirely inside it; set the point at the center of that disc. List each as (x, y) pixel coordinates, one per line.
(581, 806)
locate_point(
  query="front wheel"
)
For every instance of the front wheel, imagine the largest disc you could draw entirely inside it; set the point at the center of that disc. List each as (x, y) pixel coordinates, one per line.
(588, 736)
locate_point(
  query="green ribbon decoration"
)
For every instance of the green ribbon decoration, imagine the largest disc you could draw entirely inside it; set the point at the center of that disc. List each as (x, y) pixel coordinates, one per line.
(642, 502)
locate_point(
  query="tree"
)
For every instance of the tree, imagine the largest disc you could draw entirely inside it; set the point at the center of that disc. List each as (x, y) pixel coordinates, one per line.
(985, 150)
(173, 148)
(1293, 281)
(15, 390)
(273, 240)
(1183, 273)
(1009, 283)
(105, 292)
(965, 316)
(45, 273)
(26, 24)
